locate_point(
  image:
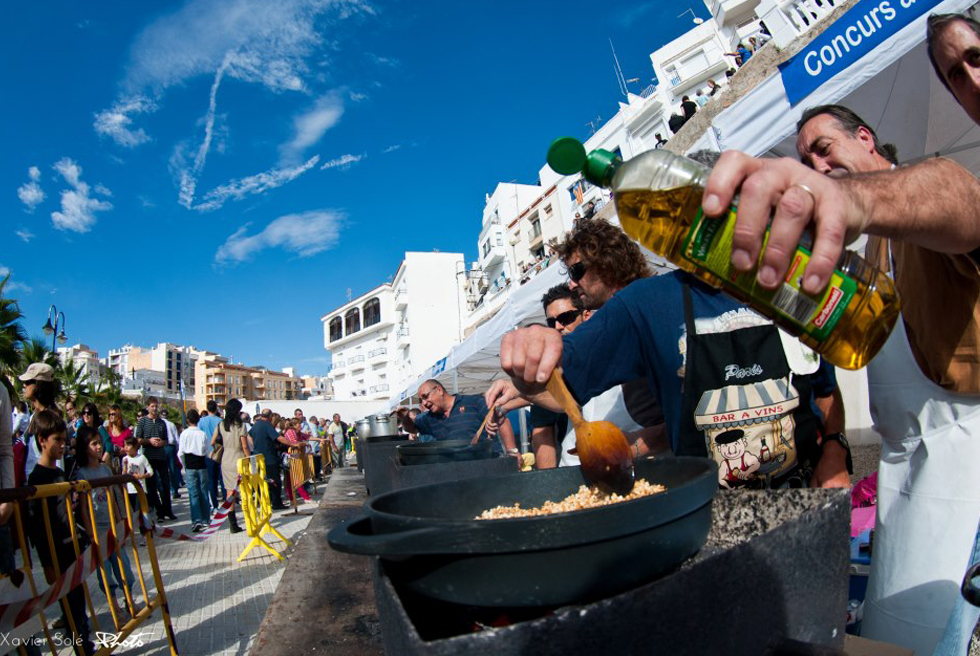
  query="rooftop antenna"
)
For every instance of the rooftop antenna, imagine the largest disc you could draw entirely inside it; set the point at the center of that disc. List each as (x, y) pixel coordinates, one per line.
(348, 294)
(620, 79)
(697, 20)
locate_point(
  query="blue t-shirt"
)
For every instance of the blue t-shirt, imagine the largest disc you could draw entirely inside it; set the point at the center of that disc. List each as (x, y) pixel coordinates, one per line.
(208, 424)
(461, 423)
(264, 438)
(640, 333)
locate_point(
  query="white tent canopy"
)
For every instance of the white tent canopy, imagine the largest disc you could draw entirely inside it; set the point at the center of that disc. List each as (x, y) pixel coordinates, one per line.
(471, 365)
(893, 88)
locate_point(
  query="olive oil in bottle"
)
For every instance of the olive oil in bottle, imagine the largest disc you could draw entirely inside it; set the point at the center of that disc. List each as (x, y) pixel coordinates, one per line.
(658, 199)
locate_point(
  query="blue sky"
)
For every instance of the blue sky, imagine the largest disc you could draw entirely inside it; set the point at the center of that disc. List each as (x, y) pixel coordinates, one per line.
(219, 173)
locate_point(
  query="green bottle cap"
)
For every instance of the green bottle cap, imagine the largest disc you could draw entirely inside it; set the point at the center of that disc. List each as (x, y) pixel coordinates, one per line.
(600, 167)
(567, 156)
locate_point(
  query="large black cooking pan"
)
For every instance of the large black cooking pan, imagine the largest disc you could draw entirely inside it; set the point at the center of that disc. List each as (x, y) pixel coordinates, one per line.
(443, 451)
(378, 453)
(431, 544)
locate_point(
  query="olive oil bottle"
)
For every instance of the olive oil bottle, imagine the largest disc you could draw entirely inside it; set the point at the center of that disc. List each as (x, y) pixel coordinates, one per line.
(658, 199)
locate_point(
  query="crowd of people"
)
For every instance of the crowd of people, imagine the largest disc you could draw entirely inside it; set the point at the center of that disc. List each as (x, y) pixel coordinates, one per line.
(43, 441)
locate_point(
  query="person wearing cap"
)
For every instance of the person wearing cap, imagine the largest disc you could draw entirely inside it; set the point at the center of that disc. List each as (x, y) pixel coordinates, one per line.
(264, 438)
(41, 390)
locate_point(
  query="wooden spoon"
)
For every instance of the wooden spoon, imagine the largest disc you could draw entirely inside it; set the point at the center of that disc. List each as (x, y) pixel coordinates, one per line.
(602, 447)
(476, 438)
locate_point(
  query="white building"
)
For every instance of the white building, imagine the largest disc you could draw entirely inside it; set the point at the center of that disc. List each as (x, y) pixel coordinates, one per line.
(85, 359)
(390, 335)
(175, 362)
(148, 382)
(118, 360)
(685, 65)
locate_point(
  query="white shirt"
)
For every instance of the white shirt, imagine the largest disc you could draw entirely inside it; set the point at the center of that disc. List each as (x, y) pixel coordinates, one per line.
(193, 441)
(336, 433)
(172, 437)
(137, 465)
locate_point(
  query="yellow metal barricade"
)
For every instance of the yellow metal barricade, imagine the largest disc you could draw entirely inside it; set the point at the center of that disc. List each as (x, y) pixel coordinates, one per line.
(81, 550)
(253, 488)
(300, 468)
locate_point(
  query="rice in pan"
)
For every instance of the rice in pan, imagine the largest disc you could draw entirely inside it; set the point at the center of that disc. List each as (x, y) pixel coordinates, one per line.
(586, 497)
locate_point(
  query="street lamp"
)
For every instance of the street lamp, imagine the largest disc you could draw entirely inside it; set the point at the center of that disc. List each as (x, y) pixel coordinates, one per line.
(59, 322)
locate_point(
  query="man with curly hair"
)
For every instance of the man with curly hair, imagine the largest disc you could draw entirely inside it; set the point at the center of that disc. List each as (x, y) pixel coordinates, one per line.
(719, 371)
(601, 259)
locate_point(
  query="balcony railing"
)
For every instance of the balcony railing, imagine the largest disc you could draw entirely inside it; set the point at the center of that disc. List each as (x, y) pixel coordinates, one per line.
(383, 387)
(376, 352)
(355, 359)
(403, 332)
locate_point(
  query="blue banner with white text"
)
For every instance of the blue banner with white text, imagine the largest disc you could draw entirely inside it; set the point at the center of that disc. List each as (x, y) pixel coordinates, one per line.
(857, 32)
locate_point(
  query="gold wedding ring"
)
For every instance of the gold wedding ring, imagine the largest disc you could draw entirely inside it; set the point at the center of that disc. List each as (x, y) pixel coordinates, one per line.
(805, 188)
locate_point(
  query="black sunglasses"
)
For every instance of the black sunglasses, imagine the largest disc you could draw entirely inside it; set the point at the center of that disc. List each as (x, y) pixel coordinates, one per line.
(564, 318)
(576, 271)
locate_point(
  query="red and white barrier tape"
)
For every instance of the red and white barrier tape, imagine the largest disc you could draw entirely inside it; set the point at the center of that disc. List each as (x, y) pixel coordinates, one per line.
(15, 613)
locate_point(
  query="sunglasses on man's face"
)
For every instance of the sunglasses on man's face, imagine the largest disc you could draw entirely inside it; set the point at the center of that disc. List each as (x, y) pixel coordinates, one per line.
(564, 318)
(576, 271)
(86, 412)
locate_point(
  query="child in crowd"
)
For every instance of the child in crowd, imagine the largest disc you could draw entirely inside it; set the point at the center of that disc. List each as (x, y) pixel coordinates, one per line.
(192, 452)
(51, 434)
(88, 457)
(136, 465)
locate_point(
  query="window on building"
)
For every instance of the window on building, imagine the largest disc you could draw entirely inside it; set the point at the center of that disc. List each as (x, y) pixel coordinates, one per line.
(500, 239)
(486, 248)
(336, 329)
(547, 210)
(352, 321)
(535, 229)
(578, 190)
(372, 312)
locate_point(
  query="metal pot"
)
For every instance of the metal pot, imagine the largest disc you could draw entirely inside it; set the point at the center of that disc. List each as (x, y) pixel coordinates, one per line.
(443, 451)
(429, 542)
(384, 425)
(363, 428)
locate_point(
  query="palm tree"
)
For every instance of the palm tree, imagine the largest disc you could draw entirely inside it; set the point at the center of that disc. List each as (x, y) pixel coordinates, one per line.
(108, 390)
(74, 382)
(12, 335)
(36, 349)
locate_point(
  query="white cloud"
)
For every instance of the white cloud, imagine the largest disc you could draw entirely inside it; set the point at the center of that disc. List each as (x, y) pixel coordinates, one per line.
(305, 234)
(343, 160)
(24, 234)
(116, 121)
(254, 184)
(34, 173)
(12, 285)
(188, 177)
(31, 194)
(271, 42)
(391, 149)
(310, 126)
(102, 189)
(77, 207)
(357, 97)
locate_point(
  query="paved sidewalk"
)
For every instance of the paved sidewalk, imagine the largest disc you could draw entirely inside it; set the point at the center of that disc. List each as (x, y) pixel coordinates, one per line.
(216, 603)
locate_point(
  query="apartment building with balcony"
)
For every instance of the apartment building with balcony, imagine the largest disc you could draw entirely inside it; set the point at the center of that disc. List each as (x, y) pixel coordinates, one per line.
(219, 381)
(685, 65)
(488, 280)
(118, 360)
(391, 334)
(85, 360)
(175, 362)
